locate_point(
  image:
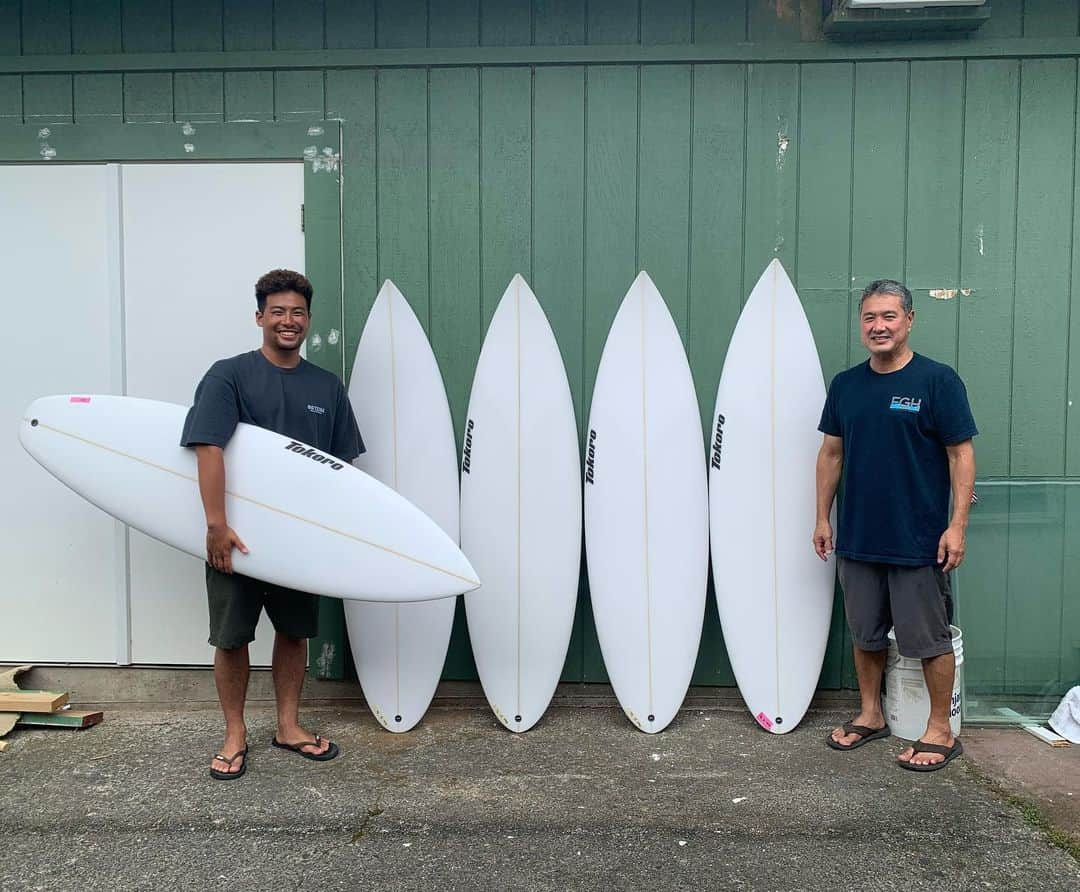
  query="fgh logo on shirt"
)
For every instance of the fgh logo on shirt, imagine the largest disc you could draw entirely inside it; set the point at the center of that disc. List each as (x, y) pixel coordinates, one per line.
(318, 410)
(905, 404)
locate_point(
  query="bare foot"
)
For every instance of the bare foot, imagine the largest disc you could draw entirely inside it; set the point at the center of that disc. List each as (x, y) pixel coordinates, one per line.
(873, 720)
(307, 741)
(233, 752)
(941, 738)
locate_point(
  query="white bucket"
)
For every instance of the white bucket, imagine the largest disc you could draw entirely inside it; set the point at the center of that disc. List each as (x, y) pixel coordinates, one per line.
(907, 702)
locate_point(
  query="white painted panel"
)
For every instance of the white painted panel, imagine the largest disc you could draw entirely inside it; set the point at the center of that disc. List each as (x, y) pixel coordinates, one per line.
(59, 599)
(196, 237)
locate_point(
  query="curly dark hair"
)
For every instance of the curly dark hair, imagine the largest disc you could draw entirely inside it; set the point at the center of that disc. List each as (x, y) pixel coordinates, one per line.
(278, 280)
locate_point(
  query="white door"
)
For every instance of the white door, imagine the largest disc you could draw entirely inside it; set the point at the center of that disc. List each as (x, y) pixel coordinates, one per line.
(63, 568)
(125, 279)
(196, 237)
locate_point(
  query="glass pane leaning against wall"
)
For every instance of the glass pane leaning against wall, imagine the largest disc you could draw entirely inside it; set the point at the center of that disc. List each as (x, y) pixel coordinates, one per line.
(1018, 599)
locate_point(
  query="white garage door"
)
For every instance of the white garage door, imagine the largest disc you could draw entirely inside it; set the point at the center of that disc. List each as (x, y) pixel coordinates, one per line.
(147, 275)
(63, 572)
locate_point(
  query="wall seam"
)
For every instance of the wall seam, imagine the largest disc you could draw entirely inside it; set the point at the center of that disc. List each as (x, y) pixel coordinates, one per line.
(1016, 258)
(1068, 347)
(1072, 254)
(960, 220)
(851, 218)
(637, 177)
(1012, 375)
(745, 178)
(378, 228)
(427, 188)
(690, 212)
(585, 397)
(480, 190)
(532, 176)
(907, 178)
(798, 172)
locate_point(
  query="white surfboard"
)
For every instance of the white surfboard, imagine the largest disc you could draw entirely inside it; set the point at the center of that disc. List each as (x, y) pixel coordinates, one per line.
(521, 510)
(774, 594)
(646, 510)
(399, 400)
(310, 522)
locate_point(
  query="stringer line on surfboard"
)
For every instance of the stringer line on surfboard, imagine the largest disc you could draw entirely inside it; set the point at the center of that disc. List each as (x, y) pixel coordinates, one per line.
(394, 434)
(517, 537)
(251, 501)
(772, 483)
(645, 475)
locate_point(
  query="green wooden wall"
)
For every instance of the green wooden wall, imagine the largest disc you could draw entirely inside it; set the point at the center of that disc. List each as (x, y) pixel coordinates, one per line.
(577, 142)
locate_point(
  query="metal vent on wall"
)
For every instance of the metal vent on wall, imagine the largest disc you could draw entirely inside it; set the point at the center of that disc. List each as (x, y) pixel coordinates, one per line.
(910, 4)
(902, 19)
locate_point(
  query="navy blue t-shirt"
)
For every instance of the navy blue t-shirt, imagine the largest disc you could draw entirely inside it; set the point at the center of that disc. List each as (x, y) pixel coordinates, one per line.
(895, 428)
(306, 403)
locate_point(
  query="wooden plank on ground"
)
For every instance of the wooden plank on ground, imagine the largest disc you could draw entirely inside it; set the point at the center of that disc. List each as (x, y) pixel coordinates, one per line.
(65, 718)
(1045, 735)
(32, 701)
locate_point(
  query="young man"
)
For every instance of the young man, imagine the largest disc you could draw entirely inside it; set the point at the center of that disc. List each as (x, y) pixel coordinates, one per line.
(900, 428)
(274, 388)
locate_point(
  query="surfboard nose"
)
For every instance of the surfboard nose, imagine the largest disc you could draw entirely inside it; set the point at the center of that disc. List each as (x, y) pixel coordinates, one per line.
(469, 572)
(454, 573)
(32, 417)
(459, 566)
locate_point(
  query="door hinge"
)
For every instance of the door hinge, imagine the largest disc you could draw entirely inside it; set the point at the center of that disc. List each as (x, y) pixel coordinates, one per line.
(302, 219)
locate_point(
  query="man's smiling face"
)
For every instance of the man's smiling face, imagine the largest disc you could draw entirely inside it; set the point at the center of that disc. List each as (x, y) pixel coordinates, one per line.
(284, 321)
(884, 325)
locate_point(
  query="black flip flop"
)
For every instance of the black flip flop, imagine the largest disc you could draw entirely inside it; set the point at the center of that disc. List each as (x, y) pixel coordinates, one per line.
(330, 753)
(230, 775)
(868, 734)
(949, 752)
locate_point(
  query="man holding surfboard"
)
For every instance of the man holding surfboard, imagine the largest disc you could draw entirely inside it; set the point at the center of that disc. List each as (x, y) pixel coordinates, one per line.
(899, 427)
(274, 388)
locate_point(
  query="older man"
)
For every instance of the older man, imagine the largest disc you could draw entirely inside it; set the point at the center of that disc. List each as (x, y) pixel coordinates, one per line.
(899, 428)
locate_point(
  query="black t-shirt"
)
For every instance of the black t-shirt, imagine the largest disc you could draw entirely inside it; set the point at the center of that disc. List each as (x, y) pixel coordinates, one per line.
(895, 428)
(306, 403)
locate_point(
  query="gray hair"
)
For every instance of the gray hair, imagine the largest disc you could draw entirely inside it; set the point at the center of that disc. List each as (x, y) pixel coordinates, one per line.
(889, 287)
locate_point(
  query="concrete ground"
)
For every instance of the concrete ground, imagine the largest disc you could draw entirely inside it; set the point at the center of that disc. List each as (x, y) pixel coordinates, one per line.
(582, 801)
(1025, 767)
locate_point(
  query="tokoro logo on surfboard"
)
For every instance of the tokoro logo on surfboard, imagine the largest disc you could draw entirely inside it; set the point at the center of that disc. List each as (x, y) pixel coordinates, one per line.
(466, 455)
(718, 441)
(315, 456)
(590, 459)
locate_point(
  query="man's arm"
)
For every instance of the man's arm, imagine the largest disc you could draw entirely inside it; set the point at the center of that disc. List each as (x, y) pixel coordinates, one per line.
(830, 463)
(951, 546)
(345, 440)
(220, 537)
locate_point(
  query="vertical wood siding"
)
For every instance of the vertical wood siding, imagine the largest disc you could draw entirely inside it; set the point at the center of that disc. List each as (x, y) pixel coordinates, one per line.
(957, 176)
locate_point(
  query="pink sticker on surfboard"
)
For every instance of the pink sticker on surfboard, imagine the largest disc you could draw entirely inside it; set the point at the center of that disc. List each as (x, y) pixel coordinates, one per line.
(80, 399)
(764, 721)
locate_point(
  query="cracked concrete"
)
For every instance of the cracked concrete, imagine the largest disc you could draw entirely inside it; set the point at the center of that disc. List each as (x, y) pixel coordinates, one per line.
(583, 800)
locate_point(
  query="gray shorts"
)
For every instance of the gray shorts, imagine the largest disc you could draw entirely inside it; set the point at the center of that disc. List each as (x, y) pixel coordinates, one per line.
(917, 601)
(236, 601)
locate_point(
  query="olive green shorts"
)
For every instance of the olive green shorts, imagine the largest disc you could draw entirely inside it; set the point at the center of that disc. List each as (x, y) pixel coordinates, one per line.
(236, 601)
